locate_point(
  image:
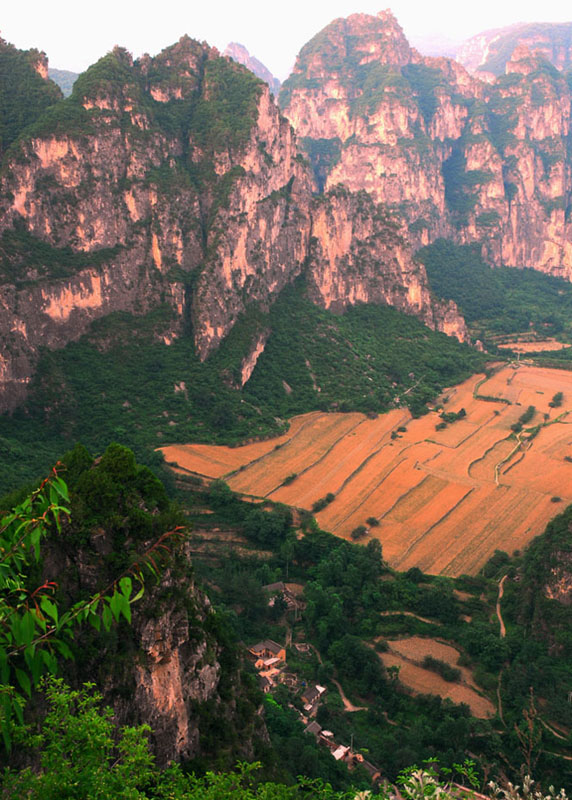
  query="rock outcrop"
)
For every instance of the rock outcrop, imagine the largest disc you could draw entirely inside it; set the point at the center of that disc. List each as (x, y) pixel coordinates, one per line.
(240, 54)
(360, 255)
(487, 53)
(174, 667)
(176, 179)
(449, 154)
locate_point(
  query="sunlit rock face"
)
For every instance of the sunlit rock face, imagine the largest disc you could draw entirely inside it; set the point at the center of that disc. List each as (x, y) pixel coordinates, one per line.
(149, 177)
(487, 53)
(450, 154)
(177, 180)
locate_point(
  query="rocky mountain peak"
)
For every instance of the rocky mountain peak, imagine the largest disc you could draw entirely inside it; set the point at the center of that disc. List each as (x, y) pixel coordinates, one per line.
(522, 61)
(41, 65)
(240, 54)
(175, 73)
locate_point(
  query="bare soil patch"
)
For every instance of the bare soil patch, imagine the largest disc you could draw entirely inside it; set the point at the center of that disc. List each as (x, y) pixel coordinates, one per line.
(534, 347)
(408, 654)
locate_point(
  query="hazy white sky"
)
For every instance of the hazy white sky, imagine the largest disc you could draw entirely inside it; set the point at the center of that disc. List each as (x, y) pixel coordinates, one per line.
(75, 34)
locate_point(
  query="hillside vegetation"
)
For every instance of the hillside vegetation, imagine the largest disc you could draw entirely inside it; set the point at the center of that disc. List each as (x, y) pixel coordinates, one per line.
(123, 383)
(357, 609)
(500, 300)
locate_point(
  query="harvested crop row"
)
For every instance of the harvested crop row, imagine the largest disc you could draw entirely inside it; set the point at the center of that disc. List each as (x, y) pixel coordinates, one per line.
(491, 518)
(214, 461)
(311, 443)
(410, 540)
(457, 462)
(373, 490)
(423, 681)
(455, 434)
(346, 456)
(438, 504)
(484, 468)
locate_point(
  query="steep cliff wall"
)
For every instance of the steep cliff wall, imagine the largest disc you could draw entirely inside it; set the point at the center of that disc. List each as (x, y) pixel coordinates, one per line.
(176, 179)
(451, 155)
(385, 113)
(174, 667)
(488, 52)
(176, 176)
(360, 255)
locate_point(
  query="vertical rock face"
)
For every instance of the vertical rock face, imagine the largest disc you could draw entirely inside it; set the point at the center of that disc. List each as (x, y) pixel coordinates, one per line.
(488, 52)
(259, 239)
(165, 668)
(170, 179)
(451, 155)
(176, 179)
(361, 95)
(359, 255)
(523, 203)
(174, 675)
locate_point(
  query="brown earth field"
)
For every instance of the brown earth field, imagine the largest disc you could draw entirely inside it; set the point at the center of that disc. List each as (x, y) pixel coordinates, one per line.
(534, 347)
(408, 655)
(444, 500)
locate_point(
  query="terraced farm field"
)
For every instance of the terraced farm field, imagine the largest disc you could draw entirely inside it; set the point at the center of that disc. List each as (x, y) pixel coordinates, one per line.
(408, 655)
(545, 346)
(444, 500)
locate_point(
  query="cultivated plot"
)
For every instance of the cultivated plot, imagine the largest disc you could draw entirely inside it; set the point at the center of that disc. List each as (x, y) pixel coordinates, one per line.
(408, 655)
(442, 500)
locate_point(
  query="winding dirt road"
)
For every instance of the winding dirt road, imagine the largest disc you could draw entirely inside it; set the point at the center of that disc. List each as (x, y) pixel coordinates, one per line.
(499, 598)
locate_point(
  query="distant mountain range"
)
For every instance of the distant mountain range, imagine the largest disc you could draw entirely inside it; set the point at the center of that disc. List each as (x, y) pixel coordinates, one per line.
(489, 52)
(240, 54)
(64, 78)
(486, 52)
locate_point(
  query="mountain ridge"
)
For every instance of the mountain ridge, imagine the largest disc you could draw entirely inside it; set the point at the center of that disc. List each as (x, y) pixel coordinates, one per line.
(179, 168)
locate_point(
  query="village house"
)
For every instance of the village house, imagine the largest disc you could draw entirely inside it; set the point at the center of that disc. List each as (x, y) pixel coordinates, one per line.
(268, 649)
(314, 728)
(341, 752)
(311, 696)
(280, 589)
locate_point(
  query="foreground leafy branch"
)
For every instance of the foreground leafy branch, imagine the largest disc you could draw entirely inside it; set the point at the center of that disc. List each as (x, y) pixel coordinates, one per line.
(34, 632)
(80, 754)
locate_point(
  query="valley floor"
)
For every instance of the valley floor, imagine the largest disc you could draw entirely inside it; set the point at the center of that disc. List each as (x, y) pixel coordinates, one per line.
(439, 496)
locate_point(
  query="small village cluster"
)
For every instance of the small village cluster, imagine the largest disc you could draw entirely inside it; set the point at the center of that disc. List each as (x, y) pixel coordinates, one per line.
(269, 659)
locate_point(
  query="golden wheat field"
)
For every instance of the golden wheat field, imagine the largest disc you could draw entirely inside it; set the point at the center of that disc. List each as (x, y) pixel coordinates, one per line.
(443, 500)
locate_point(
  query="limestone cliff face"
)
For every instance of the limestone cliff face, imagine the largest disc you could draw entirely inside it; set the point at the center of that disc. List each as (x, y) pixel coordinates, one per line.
(521, 204)
(176, 179)
(170, 668)
(450, 154)
(52, 313)
(259, 240)
(488, 52)
(177, 671)
(360, 255)
(359, 87)
(151, 171)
